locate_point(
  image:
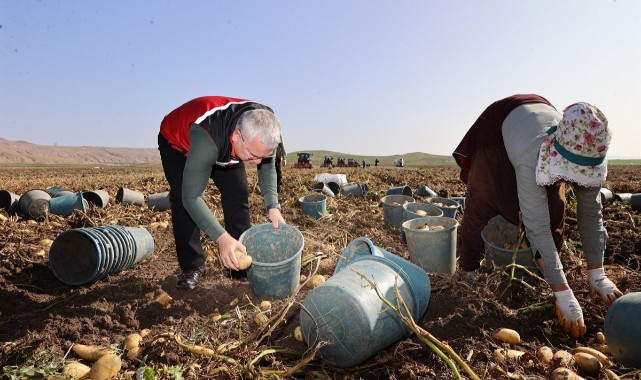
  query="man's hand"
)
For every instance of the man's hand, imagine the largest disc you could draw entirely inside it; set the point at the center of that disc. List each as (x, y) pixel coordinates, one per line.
(569, 313)
(600, 284)
(275, 217)
(226, 247)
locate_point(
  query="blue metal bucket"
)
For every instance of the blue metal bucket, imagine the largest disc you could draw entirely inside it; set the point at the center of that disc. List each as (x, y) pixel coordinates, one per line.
(393, 209)
(622, 329)
(276, 258)
(84, 255)
(432, 250)
(400, 190)
(314, 205)
(347, 314)
(65, 203)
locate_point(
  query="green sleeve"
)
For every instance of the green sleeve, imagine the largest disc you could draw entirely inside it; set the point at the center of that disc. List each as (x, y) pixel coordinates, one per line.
(267, 180)
(203, 153)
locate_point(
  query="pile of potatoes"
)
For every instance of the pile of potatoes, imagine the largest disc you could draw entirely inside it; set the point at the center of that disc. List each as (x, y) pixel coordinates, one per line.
(427, 227)
(439, 204)
(106, 362)
(587, 360)
(524, 245)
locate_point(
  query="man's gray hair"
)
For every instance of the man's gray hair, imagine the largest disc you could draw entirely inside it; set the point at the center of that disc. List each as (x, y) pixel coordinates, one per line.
(261, 124)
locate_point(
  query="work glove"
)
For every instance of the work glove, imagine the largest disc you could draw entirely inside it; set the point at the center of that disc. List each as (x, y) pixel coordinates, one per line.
(600, 284)
(569, 313)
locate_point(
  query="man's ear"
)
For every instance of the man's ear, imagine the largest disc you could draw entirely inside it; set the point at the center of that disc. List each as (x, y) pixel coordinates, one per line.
(235, 135)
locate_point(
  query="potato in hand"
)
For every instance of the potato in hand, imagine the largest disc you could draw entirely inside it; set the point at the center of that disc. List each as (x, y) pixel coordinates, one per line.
(244, 260)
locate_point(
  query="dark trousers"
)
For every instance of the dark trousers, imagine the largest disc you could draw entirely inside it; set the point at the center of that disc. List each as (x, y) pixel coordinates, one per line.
(231, 181)
(491, 191)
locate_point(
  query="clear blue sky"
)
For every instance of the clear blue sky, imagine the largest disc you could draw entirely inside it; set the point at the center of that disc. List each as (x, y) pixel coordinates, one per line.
(365, 77)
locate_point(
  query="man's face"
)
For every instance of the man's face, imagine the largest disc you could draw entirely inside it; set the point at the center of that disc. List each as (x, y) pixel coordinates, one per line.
(252, 151)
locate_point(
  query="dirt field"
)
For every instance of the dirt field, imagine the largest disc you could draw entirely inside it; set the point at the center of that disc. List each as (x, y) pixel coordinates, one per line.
(41, 318)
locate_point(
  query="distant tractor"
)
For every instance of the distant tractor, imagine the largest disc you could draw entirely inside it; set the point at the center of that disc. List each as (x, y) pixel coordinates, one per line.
(304, 160)
(399, 163)
(352, 163)
(341, 162)
(328, 162)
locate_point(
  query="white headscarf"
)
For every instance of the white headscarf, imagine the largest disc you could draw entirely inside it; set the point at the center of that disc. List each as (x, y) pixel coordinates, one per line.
(575, 150)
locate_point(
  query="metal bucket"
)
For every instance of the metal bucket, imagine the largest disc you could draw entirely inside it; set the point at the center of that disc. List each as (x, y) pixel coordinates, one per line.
(449, 208)
(159, 201)
(314, 205)
(34, 203)
(432, 250)
(348, 315)
(393, 209)
(85, 255)
(276, 254)
(128, 196)
(96, 198)
(9, 201)
(65, 204)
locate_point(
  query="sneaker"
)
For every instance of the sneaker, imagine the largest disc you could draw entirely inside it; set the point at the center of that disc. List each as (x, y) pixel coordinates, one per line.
(189, 279)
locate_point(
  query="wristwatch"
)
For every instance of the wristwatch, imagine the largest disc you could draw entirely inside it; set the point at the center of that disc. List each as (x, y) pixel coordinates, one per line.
(271, 206)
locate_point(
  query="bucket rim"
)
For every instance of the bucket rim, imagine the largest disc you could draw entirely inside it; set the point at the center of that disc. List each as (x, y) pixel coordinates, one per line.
(428, 218)
(444, 200)
(321, 198)
(409, 199)
(260, 228)
(52, 259)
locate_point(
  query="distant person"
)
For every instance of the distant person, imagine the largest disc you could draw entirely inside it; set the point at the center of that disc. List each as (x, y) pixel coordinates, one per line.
(376, 162)
(363, 163)
(517, 158)
(212, 137)
(280, 160)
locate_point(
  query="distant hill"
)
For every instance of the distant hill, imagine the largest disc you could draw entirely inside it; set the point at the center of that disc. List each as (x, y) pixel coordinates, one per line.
(409, 159)
(22, 152)
(26, 153)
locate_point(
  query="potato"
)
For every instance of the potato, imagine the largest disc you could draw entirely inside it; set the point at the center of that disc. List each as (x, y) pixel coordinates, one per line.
(90, 352)
(597, 354)
(316, 280)
(421, 212)
(562, 373)
(106, 368)
(164, 299)
(501, 354)
(563, 358)
(303, 278)
(600, 338)
(602, 348)
(265, 305)
(76, 370)
(298, 334)
(244, 260)
(132, 345)
(588, 363)
(545, 355)
(45, 242)
(261, 318)
(508, 336)
(610, 375)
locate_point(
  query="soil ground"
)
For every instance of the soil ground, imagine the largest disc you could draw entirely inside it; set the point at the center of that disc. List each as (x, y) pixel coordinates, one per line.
(42, 318)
